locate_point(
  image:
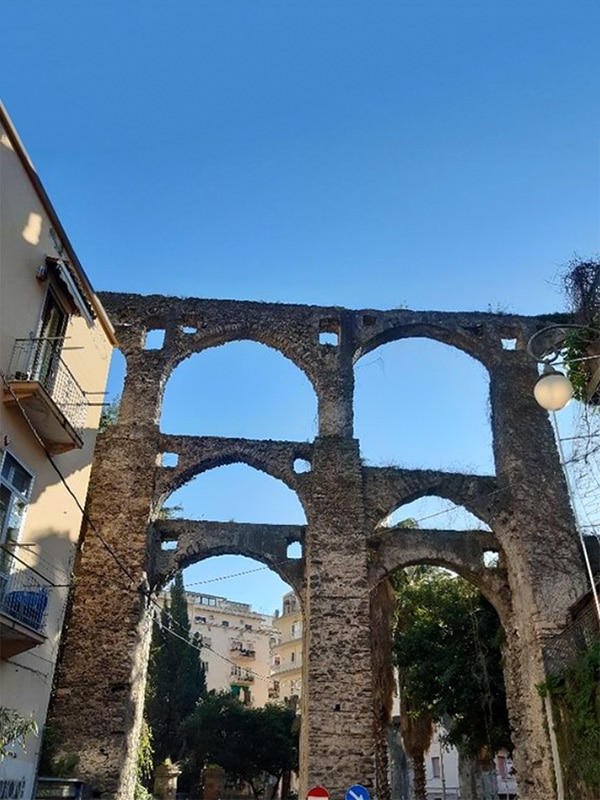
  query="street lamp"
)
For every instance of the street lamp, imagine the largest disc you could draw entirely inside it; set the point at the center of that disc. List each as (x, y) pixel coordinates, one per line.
(553, 389)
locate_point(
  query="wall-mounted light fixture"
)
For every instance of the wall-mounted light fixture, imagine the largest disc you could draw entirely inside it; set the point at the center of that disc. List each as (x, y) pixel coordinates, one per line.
(553, 389)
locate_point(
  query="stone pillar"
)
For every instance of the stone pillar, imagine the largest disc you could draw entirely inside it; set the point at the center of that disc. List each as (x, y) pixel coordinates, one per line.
(534, 523)
(335, 391)
(98, 703)
(165, 780)
(337, 714)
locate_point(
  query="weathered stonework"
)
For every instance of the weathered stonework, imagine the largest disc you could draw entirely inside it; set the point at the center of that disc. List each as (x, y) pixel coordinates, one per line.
(345, 554)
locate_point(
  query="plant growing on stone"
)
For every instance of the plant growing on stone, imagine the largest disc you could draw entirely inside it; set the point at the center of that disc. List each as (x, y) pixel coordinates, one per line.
(582, 346)
(575, 696)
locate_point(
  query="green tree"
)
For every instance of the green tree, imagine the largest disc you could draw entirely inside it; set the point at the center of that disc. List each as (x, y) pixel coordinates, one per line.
(109, 415)
(447, 647)
(175, 675)
(248, 743)
(14, 729)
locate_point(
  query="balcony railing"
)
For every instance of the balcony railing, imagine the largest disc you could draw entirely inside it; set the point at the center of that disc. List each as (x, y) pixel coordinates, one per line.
(238, 651)
(40, 382)
(39, 360)
(23, 609)
(241, 678)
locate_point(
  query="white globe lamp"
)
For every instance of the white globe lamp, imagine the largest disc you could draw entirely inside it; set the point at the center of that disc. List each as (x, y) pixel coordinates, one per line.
(553, 390)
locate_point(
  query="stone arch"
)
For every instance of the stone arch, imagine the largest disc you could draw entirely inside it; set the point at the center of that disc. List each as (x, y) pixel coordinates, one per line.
(476, 334)
(389, 488)
(197, 455)
(439, 543)
(192, 540)
(396, 548)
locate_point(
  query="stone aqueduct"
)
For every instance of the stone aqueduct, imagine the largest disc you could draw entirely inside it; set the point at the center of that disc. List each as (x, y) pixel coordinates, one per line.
(99, 694)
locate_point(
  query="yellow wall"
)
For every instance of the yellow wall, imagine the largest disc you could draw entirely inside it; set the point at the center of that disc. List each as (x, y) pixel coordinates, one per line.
(53, 520)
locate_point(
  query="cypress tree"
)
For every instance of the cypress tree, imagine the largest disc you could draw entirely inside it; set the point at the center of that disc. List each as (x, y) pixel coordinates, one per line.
(175, 675)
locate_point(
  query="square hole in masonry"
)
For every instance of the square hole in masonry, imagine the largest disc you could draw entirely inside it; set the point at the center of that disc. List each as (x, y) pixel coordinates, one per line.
(302, 465)
(154, 339)
(169, 459)
(329, 332)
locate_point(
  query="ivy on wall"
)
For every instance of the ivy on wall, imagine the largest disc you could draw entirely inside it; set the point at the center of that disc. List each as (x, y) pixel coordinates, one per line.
(575, 697)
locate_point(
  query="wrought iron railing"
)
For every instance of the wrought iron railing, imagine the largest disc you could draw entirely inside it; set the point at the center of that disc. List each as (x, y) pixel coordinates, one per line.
(38, 359)
(23, 598)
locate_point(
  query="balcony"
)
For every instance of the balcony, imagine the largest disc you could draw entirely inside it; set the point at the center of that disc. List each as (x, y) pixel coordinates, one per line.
(238, 651)
(23, 609)
(241, 678)
(42, 384)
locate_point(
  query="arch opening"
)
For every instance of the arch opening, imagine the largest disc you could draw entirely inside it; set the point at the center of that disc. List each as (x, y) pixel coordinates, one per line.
(450, 705)
(242, 389)
(238, 493)
(433, 512)
(232, 643)
(420, 403)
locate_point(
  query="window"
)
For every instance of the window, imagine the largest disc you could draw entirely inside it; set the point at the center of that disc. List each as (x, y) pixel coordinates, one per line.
(15, 492)
(225, 623)
(293, 657)
(247, 627)
(436, 767)
(204, 666)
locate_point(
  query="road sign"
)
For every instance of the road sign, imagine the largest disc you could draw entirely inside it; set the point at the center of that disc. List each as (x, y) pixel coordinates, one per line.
(317, 793)
(357, 792)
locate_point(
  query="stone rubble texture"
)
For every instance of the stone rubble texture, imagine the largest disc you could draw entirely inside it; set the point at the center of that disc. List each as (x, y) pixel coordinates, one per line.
(345, 550)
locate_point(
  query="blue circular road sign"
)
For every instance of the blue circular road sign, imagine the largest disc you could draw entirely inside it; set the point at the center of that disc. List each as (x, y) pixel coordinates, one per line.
(357, 792)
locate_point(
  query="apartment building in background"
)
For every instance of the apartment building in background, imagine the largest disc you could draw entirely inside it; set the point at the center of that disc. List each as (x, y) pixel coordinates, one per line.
(287, 653)
(236, 646)
(55, 348)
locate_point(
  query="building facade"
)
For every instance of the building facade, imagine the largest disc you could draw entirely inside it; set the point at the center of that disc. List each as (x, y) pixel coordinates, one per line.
(55, 349)
(236, 646)
(287, 653)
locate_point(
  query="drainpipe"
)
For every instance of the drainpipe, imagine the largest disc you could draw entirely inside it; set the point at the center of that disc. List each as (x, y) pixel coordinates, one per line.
(560, 790)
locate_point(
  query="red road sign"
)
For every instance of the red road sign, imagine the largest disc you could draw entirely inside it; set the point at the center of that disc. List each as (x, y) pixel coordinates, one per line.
(317, 793)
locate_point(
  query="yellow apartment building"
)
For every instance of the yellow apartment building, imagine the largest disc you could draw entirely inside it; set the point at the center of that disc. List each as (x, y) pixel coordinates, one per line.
(55, 348)
(287, 653)
(236, 646)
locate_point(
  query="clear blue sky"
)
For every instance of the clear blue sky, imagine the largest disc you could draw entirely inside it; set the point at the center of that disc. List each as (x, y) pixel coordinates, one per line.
(428, 154)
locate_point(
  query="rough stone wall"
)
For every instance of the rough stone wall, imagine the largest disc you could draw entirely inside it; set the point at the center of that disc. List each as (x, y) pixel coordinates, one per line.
(540, 572)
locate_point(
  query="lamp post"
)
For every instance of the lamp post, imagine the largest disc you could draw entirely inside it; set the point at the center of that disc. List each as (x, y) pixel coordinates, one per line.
(553, 390)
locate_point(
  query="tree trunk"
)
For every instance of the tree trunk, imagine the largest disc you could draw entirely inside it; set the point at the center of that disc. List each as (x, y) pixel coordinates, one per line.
(400, 767)
(275, 787)
(381, 616)
(420, 778)
(477, 778)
